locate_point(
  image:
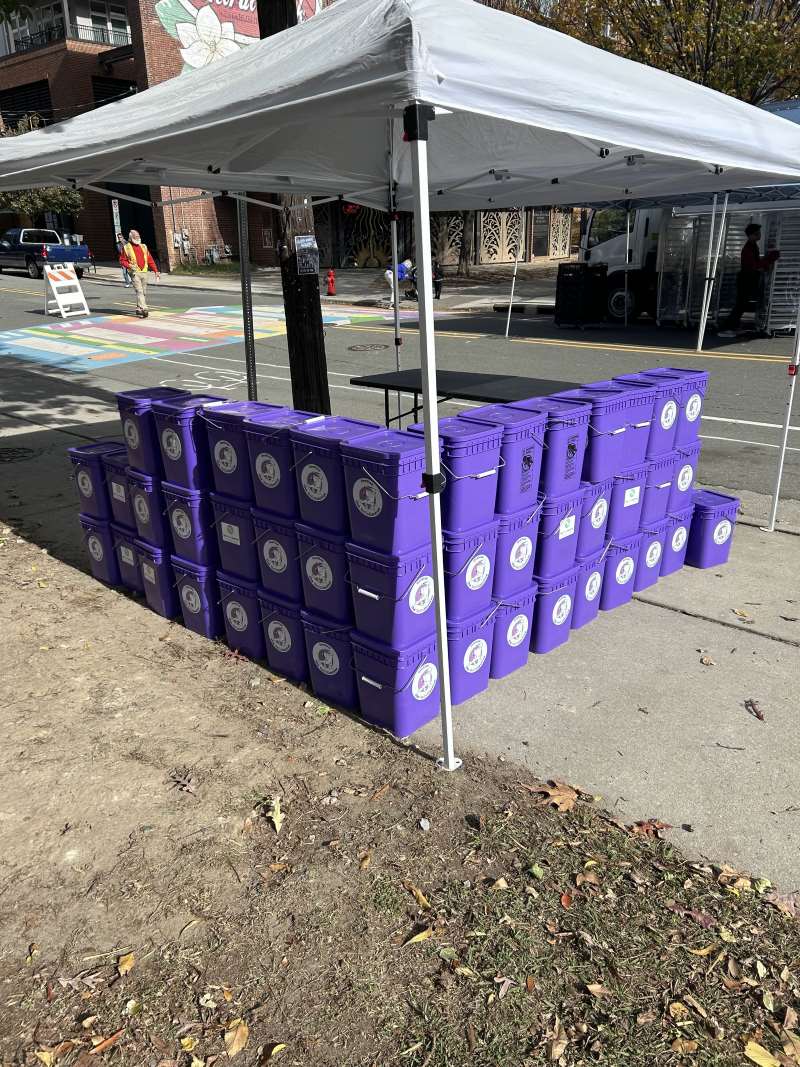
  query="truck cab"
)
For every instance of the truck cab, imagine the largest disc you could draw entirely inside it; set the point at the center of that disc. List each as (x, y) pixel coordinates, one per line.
(609, 233)
(29, 248)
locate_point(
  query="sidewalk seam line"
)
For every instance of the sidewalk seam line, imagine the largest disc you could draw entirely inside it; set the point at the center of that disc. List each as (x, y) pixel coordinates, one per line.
(720, 622)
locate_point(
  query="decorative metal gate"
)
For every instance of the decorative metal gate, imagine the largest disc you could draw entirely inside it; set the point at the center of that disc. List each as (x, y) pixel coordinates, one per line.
(446, 234)
(499, 234)
(560, 232)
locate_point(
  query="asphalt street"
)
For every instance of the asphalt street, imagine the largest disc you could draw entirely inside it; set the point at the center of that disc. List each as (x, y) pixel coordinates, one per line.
(748, 380)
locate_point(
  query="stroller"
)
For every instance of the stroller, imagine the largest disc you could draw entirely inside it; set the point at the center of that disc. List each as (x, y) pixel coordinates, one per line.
(438, 279)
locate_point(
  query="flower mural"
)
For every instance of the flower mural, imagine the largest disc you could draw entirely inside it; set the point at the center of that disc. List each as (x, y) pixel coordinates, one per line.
(206, 39)
(210, 31)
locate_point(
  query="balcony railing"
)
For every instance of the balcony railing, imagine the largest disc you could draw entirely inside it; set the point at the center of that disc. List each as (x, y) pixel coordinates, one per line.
(53, 34)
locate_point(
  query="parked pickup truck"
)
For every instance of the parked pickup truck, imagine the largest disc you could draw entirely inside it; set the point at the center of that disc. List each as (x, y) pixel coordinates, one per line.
(30, 249)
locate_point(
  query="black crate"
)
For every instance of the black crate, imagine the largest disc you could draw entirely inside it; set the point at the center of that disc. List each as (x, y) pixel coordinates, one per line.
(581, 293)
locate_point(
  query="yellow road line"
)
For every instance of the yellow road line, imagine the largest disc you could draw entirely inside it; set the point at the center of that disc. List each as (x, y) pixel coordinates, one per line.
(753, 357)
(27, 292)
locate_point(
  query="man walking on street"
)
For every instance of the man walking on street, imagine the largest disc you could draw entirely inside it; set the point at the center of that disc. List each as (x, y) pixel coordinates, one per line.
(748, 280)
(139, 263)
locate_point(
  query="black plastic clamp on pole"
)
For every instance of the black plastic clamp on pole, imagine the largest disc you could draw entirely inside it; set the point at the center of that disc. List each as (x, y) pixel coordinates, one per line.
(433, 483)
(415, 121)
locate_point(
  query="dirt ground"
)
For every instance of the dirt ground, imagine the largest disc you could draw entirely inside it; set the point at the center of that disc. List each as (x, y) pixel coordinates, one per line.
(198, 862)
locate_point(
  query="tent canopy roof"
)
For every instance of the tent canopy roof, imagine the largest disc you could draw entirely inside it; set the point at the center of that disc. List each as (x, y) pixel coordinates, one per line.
(525, 115)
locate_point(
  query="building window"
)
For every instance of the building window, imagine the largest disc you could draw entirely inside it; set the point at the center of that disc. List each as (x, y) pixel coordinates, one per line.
(22, 100)
(267, 240)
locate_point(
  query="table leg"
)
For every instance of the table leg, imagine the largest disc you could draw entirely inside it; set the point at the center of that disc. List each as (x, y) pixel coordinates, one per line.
(386, 406)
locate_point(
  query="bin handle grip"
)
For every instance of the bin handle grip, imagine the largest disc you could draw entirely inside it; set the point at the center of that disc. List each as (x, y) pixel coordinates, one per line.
(402, 689)
(474, 477)
(378, 596)
(383, 489)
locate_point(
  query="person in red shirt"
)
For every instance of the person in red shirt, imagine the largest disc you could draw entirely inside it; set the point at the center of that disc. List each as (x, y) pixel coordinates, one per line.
(136, 259)
(748, 280)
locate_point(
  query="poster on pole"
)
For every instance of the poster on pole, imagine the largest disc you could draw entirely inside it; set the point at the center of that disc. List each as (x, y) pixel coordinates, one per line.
(115, 214)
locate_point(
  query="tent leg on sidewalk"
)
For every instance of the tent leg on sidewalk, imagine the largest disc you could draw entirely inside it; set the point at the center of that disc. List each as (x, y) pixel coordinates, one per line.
(398, 340)
(416, 118)
(794, 370)
(247, 302)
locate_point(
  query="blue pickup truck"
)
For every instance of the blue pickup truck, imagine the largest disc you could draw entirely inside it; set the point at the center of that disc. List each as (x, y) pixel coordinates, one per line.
(30, 248)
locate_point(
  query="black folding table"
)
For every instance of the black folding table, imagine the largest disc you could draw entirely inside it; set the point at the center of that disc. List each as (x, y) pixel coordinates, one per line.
(458, 385)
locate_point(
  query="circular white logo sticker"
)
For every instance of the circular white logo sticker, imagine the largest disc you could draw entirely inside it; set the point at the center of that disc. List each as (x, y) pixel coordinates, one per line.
(85, 483)
(685, 477)
(279, 636)
(475, 656)
(478, 572)
(181, 523)
(693, 406)
(268, 470)
(599, 512)
(722, 532)
(95, 546)
(593, 583)
(368, 498)
(237, 616)
(131, 432)
(325, 658)
(191, 599)
(517, 630)
(141, 508)
(653, 554)
(562, 608)
(171, 443)
(625, 569)
(679, 539)
(420, 596)
(424, 681)
(669, 414)
(521, 552)
(314, 482)
(225, 457)
(275, 556)
(319, 573)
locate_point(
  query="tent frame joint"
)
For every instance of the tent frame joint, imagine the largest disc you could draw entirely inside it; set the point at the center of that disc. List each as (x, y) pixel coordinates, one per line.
(416, 118)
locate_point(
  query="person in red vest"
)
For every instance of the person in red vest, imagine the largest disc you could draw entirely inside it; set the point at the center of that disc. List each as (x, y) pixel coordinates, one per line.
(749, 279)
(139, 263)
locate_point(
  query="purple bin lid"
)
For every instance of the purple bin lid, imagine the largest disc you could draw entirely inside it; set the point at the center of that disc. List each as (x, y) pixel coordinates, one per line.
(705, 500)
(331, 429)
(179, 405)
(505, 415)
(554, 406)
(386, 446)
(275, 419)
(96, 450)
(456, 431)
(236, 411)
(145, 398)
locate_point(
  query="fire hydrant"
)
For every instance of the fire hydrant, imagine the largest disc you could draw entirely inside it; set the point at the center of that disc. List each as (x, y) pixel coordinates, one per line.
(331, 282)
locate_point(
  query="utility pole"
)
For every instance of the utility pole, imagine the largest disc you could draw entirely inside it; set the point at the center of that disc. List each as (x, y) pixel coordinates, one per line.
(308, 363)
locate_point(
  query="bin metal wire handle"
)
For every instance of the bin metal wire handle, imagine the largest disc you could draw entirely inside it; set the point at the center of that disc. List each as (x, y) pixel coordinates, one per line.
(473, 477)
(383, 489)
(380, 596)
(381, 686)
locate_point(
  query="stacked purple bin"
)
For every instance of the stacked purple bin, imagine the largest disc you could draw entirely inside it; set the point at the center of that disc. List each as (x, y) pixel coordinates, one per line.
(91, 465)
(711, 531)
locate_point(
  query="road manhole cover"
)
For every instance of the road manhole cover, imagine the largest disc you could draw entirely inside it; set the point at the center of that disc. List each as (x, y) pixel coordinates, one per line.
(367, 348)
(18, 455)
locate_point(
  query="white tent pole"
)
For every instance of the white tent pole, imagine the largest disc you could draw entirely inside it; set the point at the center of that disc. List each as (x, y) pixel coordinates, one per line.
(706, 296)
(712, 274)
(247, 301)
(794, 370)
(627, 257)
(514, 275)
(398, 340)
(415, 121)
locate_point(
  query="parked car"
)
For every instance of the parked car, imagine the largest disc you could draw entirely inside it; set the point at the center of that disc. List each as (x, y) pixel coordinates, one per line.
(30, 248)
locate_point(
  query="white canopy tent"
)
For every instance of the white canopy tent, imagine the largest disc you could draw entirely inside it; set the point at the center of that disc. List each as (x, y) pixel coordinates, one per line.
(341, 105)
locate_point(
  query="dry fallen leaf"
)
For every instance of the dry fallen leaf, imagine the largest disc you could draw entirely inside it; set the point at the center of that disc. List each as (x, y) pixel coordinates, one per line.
(275, 815)
(758, 1054)
(530, 983)
(236, 1037)
(707, 661)
(107, 1042)
(501, 883)
(423, 935)
(227, 994)
(188, 1044)
(652, 828)
(598, 990)
(742, 614)
(754, 708)
(45, 1056)
(791, 1045)
(680, 1044)
(566, 900)
(678, 1010)
(125, 963)
(365, 861)
(558, 794)
(787, 903)
(559, 1042)
(33, 950)
(703, 951)
(418, 895)
(271, 1051)
(379, 793)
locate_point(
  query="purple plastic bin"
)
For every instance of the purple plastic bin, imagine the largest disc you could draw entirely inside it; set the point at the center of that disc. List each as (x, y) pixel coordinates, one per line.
(512, 632)
(676, 540)
(588, 589)
(330, 660)
(271, 462)
(516, 547)
(627, 501)
(316, 448)
(619, 426)
(323, 568)
(278, 555)
(552, 613)
(236, 539)
(191, 521)
(199, 598)
(147, 503)
(658, 486)
(620, 572)
(651, 552)
(558, 534)
(664, 424)
(711, 532)
(520, 453)
(139, 428)
(99, 540)
(693, 385)
(182, 439)
(157, 580)
(680, 495)
(241, 614)
(470, 462)
(115, 471)
(469, 648)
(564, 442)
(392, 595)
(594, 517)
(284, 636)
(383, 481)
(89, 476)
(398, 689)
(227, 445)
(469, 560)
(127, 559)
